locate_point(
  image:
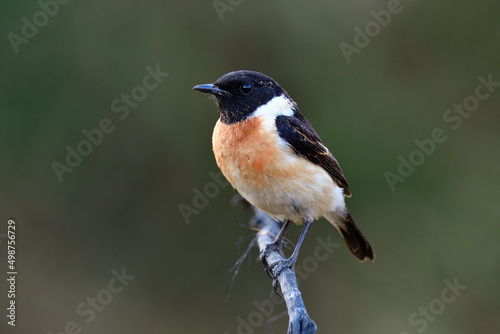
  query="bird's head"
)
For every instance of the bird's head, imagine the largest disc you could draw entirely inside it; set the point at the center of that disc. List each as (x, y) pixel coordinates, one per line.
(240, 93)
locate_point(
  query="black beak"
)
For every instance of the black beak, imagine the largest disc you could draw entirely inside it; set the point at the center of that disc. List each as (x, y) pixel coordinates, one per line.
(211, 89)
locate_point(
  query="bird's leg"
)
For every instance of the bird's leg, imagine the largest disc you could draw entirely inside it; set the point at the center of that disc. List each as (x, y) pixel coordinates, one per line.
(277, 267)
(273, 246)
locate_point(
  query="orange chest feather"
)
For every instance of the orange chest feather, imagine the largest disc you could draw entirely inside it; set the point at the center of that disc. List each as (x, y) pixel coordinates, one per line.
(244, 149)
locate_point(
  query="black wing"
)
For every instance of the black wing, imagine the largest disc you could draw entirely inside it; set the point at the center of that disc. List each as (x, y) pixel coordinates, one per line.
(302, 138)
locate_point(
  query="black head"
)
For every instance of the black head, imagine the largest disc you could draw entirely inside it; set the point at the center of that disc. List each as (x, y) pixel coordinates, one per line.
(240, 93)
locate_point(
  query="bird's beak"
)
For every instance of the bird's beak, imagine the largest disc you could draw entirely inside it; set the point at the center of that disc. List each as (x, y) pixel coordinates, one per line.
(211, 89)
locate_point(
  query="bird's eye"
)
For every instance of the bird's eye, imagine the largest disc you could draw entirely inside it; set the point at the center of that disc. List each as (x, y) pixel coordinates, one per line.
(246, 88)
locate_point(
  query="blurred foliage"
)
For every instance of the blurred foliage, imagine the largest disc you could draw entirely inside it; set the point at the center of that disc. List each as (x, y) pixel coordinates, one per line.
(119, 208)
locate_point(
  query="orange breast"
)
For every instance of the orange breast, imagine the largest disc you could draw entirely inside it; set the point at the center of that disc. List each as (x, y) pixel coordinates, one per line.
(244, 151)
(272, 177)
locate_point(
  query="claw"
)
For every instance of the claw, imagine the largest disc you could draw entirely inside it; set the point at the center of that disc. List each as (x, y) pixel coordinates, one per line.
(276, 269)
(274, 246)
(276, 285)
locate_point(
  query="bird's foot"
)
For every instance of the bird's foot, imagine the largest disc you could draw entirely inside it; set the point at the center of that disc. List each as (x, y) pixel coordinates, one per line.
(276, 269)
(273, 246)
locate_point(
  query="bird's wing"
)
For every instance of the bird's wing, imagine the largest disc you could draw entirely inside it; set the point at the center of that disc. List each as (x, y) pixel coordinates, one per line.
(302, 138)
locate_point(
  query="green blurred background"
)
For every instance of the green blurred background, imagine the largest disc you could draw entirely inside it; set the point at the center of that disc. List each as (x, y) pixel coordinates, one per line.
(119, 208)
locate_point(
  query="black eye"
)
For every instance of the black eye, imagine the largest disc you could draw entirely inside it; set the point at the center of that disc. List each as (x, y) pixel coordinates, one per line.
(246, 88)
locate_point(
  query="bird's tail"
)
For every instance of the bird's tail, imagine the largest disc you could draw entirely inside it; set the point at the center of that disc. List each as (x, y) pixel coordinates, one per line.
(353, 237)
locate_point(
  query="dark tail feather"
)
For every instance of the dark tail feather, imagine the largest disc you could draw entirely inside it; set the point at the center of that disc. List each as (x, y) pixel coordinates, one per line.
(353, 237)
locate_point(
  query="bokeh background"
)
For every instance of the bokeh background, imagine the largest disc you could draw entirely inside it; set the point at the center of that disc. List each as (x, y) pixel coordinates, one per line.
(119, 207)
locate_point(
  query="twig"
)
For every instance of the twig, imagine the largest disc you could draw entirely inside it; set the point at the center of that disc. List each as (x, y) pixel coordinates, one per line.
(299, 320)
(237, 265)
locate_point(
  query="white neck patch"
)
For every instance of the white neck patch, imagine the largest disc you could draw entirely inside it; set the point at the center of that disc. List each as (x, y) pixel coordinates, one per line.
(277, 106)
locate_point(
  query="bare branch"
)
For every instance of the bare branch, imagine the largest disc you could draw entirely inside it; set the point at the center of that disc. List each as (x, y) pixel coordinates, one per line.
(299, 320)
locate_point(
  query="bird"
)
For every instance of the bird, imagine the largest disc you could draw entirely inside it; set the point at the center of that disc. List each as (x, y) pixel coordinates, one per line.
(270, 153)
